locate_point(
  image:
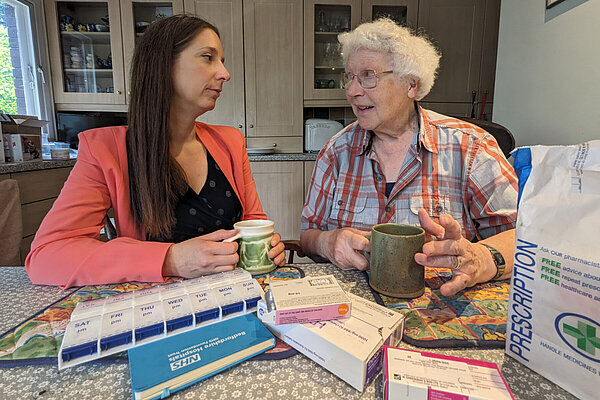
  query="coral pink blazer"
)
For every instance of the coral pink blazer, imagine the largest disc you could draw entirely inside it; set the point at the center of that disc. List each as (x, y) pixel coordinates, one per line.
(67, 251)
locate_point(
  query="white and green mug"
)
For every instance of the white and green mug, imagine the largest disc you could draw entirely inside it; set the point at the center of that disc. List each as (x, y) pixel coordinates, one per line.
(254, 238)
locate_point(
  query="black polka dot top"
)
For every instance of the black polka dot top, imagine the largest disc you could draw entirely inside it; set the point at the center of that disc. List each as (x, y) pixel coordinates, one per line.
(215, 207)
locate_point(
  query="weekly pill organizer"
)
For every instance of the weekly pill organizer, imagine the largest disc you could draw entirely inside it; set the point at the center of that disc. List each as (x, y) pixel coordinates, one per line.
(116, 323)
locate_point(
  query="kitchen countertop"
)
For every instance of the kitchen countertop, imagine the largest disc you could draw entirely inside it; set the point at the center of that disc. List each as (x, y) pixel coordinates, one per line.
(7, 168)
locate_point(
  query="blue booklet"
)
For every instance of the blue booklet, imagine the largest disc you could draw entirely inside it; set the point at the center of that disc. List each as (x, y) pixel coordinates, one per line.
(162, 367)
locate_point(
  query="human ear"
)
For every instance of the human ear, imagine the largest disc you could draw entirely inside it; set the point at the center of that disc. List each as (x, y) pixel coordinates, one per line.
(413, 87)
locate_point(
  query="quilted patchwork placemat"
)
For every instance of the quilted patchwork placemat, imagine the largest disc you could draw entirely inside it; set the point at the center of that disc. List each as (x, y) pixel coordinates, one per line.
(37, 340)
(474, 317)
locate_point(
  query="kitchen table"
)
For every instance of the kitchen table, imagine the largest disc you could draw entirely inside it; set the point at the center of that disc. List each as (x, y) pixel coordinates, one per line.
(296, 377)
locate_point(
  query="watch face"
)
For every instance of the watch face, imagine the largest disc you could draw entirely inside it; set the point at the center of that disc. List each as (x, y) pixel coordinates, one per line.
(498, 259)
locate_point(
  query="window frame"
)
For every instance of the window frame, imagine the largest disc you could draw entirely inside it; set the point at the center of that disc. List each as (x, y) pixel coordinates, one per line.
(40, 54)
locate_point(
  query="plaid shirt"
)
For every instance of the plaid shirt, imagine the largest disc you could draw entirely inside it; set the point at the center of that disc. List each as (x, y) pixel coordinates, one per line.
(452, 167)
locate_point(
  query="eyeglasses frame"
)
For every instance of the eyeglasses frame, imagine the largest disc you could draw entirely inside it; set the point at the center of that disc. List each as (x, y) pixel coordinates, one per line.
(377, 76)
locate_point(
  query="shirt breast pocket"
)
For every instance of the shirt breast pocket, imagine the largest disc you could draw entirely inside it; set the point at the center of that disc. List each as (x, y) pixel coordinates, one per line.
(435, 205)
(350, 210)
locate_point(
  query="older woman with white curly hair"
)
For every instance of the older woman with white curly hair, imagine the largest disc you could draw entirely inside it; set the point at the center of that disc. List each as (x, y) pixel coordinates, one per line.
(402, 163)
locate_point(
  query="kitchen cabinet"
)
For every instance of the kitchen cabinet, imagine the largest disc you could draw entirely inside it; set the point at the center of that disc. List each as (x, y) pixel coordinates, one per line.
(466, 33)
(37, 192)
(262, 44)
(87, 67)
(136, 16)
(280, 187)
(308, 170)
(324, 20)
(91, 44)
(403, 12)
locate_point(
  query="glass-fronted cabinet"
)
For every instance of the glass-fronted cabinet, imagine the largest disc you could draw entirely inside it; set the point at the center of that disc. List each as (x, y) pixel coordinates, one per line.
(403, 12)
(323, 62)
(137, 16)
(324, 21)
(85, 39)
(91, 44)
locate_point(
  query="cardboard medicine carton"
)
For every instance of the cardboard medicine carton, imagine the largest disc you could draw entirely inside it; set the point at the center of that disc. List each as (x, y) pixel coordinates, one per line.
(419, 375)
(304, 300)
(350, 348)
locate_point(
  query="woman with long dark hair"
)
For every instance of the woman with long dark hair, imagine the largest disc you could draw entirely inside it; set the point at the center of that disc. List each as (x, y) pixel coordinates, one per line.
(176, 186)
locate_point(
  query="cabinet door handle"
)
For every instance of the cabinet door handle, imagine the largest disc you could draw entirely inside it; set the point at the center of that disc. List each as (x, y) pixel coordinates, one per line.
(274, 144)
(119, 92)
(240, 126)
(251, 125)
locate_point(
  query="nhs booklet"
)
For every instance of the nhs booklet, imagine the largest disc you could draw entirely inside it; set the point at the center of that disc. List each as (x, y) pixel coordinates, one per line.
(162, 367)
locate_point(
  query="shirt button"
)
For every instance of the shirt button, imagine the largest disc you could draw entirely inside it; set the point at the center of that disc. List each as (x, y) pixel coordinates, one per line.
(439, 208)
(388, 209)
(339, 202)
(379, 178)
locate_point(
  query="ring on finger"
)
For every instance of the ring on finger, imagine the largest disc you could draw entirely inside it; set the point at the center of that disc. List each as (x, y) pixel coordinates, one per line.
(458, 263)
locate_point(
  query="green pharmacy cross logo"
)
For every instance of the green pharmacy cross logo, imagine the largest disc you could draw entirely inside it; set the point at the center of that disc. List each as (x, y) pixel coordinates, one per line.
(585, 335)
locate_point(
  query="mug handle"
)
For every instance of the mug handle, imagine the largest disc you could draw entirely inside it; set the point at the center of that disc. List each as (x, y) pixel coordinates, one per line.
(366, 253)
(233, 238)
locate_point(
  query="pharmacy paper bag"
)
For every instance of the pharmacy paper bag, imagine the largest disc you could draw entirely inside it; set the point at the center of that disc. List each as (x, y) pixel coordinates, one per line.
(553, 324)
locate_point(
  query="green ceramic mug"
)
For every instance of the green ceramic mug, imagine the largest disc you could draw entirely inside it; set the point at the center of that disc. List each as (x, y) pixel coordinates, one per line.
(254, 238)
(393, 269)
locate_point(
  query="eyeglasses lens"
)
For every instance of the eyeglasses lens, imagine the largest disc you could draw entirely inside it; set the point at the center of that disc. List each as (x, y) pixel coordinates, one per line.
(367, 79)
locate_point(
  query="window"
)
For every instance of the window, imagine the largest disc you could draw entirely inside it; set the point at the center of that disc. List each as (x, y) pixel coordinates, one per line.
(24, 83)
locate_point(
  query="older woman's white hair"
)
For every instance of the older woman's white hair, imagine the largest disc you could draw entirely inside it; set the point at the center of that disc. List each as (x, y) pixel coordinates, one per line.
(414, 56)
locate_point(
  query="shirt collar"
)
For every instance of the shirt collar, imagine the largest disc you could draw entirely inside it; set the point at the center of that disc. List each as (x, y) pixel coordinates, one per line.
(425, 133)
(360, 138)
(425, 137)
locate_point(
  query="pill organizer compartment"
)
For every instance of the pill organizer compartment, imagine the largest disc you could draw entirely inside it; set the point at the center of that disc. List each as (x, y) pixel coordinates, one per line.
(146, 296)
(236, 275)
(148, 322)
(196, 284)
(117, 331)
(178, 313)
(229, 299)
(172, 290)
(251, 293)
(118, 302)
(87, 309)
(206, 309)
(80, 341)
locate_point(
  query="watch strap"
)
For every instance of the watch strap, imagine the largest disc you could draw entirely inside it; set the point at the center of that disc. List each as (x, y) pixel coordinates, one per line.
(498, 260)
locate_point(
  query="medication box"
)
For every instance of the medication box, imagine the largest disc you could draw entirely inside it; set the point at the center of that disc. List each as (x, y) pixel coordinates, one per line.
(304, 300)
(418, 375)
(109, 325)
(350, 348)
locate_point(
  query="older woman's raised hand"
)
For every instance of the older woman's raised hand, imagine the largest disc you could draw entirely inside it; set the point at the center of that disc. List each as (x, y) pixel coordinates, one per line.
(470, 263)
(342, 247)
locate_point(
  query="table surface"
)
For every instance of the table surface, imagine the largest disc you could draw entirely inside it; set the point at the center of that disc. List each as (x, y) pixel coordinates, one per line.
(291, 378)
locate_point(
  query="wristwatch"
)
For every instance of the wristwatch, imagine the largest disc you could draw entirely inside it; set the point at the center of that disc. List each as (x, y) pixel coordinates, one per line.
(498, 260)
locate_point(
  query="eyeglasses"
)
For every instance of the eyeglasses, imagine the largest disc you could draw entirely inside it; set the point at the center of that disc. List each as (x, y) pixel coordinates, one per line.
(367, 78)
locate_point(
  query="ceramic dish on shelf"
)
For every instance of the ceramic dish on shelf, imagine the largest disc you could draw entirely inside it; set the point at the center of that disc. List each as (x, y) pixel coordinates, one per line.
(260, 150)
